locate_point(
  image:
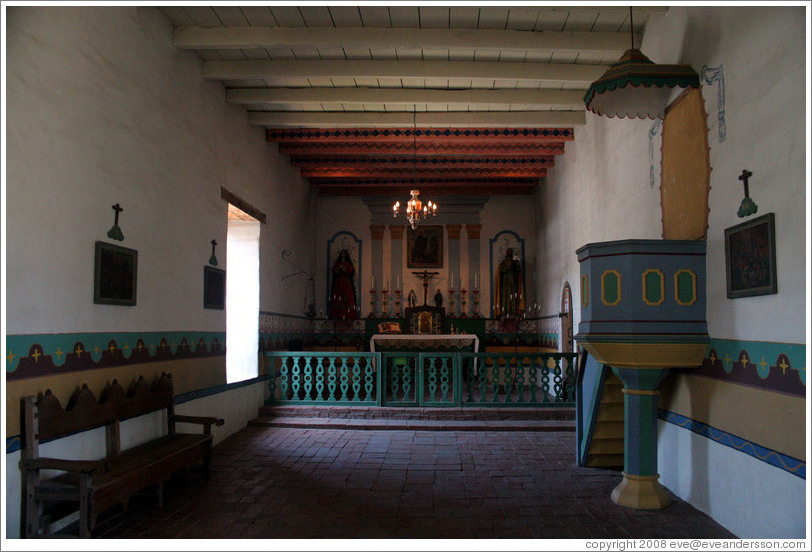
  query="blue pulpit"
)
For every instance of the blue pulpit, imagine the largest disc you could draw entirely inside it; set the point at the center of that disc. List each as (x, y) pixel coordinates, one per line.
(643, 311)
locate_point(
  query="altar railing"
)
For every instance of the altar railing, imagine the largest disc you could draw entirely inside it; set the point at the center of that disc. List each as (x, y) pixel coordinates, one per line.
(452, 379)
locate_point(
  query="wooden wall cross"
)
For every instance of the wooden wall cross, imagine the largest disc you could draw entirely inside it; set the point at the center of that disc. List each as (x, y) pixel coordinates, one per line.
(115, 232)
(748, 206)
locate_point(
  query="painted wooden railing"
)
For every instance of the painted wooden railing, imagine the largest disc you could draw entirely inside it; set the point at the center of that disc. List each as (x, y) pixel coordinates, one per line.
(422, 379)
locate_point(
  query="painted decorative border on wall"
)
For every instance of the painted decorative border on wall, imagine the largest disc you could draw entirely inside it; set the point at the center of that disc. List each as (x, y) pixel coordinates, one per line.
(14, 443)
(782, 461)
(37, 355)
(774, 366)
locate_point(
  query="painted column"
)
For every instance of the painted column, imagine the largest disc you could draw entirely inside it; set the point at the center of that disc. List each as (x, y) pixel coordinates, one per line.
(453, 231)
(640, 487)
(474, 276)
(377, 231)
(396, 272)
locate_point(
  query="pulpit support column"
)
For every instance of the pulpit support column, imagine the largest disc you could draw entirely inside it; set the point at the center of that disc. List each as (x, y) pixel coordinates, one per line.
(640, 487)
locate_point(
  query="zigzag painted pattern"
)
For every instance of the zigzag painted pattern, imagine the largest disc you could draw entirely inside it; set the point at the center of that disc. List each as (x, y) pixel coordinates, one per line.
(787, 463)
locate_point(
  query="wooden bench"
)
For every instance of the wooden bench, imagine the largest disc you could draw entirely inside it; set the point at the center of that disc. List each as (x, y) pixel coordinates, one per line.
(96, 485)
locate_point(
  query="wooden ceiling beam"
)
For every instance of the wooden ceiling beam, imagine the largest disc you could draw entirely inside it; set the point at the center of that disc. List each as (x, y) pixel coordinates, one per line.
(569, 99)
(379, 38)
(580, 75)
(434, 119)
(422, 149)
(494, 136)
(421, 163)
(428, 191)
(355, 172)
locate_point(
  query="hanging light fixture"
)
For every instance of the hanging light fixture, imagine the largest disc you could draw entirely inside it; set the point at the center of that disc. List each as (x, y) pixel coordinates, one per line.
(415, 210)
(636, 87)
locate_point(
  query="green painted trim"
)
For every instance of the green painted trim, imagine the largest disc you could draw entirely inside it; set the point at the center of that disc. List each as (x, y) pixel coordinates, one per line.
(762, 353)
(610, 288)
(58, 345)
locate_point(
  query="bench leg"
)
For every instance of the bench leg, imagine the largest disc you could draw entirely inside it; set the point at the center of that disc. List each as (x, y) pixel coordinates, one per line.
(84, 508)
(33, 508)
(159, 495)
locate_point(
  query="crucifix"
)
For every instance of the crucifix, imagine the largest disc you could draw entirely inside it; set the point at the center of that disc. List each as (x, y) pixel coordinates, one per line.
(213, 259)
(425, 276)
(747, 207)
(115, 232)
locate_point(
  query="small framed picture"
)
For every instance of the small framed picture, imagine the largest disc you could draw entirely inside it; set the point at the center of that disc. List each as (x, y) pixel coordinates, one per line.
(115, 275)
(750, 258)
(214, 288)
(424, 247)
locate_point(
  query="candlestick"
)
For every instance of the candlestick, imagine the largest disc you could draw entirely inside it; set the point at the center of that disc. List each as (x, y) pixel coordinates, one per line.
(372, 301)
(397, 303)
(463, 314)
(476, 303)
(451, 313)
(384, 303)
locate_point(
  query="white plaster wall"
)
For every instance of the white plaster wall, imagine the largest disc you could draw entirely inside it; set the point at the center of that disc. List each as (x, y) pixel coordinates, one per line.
(599, 191)
(760, 51)
(236, 407)
(103, 109)
(750, 498)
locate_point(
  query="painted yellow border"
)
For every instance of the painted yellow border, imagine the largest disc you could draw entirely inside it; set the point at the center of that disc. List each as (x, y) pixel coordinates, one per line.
(662, 287)
(603, 294)
(676, 287)
(585, 290)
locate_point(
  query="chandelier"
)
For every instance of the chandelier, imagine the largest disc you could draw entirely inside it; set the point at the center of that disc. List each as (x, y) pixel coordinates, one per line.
(637, 87)
(415, 209)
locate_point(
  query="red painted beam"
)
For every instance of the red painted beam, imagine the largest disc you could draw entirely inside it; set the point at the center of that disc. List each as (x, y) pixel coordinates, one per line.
(423, 135)
(422, 163)
(423, 149)
(354, 172)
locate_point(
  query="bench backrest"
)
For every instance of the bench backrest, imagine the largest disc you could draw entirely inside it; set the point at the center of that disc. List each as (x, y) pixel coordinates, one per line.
(45, 418)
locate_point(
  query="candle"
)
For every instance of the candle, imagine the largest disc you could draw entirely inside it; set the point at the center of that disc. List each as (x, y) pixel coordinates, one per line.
(399, 282)
(475, 281)
(373, 281)
(451, 281)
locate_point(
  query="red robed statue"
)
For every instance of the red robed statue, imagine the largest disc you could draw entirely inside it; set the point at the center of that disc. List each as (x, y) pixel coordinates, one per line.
(342, 289)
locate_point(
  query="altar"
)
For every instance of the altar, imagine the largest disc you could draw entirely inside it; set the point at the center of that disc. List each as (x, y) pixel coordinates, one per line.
(423, 342)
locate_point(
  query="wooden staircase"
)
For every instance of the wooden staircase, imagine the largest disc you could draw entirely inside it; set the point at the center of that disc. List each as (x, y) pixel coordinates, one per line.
(606, 446)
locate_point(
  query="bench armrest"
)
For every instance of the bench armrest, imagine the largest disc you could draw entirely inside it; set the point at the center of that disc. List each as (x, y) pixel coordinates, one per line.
(205, 421)
(76, 466)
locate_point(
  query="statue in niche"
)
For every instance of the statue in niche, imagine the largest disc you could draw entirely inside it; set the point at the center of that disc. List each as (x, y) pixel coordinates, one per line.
(509, 287)
(412, 299)
(342, 289)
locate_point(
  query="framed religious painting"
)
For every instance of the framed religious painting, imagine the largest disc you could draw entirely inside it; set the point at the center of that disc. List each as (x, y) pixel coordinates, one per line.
(115, 275)
(750, 258)
(424, 247)
(214, 288)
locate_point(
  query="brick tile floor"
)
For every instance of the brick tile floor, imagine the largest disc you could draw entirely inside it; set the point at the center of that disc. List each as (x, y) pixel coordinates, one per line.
(270, 482)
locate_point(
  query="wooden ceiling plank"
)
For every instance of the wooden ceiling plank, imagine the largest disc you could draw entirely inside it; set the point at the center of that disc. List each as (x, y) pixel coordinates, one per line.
(204, 37)
(581, 73)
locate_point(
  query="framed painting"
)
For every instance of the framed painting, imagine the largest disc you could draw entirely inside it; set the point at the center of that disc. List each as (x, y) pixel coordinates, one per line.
(424, 247)
(115, 275)
(214, 288)
(750, 258)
